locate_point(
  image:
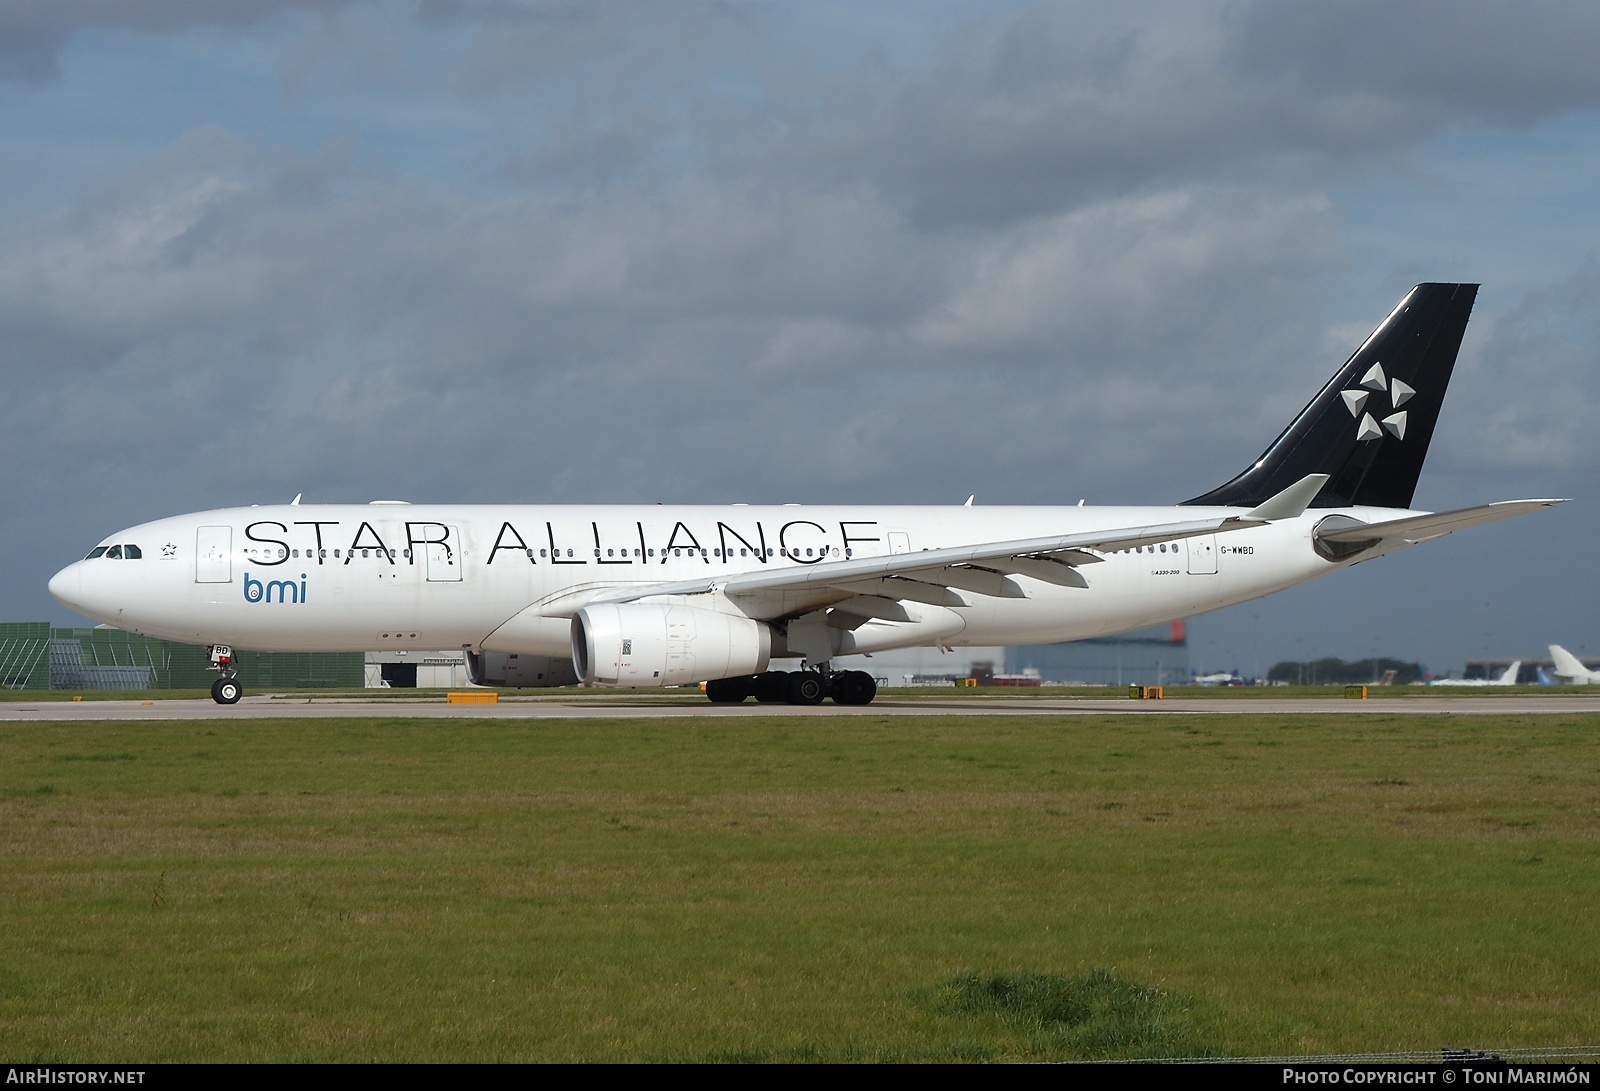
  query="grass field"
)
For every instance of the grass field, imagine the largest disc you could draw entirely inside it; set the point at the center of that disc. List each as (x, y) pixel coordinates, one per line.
(901, 888)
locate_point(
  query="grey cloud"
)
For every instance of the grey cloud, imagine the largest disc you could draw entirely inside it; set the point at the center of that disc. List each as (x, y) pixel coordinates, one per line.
(1532, 388)
(1066, 103)
(33, 32)
(1082, 254)
(1472, 60)
(597, 53)
(361, 322)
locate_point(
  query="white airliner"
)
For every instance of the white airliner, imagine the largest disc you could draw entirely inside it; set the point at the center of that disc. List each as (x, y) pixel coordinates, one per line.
(1570, 669)
(1507, 677)
(649, 596)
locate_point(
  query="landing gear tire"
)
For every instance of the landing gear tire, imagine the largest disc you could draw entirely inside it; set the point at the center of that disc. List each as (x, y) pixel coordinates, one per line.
(728, 691)
(854, 688)
(771, 687)
(226, 691)
(807, 688)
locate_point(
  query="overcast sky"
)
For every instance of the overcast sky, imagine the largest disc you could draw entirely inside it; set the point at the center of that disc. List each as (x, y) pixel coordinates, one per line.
(510, 250)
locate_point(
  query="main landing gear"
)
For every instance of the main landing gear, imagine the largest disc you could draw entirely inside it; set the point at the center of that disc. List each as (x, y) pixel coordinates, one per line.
(226, 690)
(807, 687)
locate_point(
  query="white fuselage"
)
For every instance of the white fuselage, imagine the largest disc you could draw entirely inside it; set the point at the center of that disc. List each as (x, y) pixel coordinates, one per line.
(508, 579)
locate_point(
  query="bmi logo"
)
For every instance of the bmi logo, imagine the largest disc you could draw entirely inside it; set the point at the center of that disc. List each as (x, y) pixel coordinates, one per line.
(264, 590)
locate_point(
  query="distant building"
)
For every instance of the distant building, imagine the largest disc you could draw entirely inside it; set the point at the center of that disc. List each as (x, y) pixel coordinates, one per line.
(1147, 657)
(33, 655)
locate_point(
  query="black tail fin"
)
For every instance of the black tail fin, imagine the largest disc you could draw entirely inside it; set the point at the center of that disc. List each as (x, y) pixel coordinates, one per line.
(1369, 428)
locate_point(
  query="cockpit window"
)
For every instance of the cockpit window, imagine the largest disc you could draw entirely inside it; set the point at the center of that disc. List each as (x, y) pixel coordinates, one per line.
(132, 553)
(97, 552)
(114, 553)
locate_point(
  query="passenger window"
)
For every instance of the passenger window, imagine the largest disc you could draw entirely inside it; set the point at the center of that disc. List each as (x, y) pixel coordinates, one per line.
(132, 553)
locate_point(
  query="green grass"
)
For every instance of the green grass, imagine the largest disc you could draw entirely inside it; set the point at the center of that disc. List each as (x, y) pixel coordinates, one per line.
(859, 888)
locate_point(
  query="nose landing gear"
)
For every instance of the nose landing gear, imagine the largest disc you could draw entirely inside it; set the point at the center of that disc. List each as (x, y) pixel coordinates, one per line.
(226, 690)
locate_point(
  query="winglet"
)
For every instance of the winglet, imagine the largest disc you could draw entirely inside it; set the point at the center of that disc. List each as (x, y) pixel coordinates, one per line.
(1292, 502)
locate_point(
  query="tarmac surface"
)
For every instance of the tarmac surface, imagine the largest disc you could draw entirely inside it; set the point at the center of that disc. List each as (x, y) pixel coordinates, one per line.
(631, 707)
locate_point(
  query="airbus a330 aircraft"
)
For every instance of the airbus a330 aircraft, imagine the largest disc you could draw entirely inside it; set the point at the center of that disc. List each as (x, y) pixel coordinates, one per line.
(1507, 677)
(1570, 669)
(650, 596)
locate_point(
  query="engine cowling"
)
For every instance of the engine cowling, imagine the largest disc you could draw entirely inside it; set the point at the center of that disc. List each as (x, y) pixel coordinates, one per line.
(519, 671)
(644, 644)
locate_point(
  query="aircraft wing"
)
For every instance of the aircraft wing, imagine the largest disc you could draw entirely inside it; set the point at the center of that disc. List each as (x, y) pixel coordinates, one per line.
(933, 575)
(1420, 528)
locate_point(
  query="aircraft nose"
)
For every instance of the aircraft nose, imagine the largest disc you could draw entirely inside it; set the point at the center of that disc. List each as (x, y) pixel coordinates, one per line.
(67, 585)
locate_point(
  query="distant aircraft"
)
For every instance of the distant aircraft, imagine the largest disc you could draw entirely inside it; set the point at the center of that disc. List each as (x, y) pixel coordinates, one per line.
(1508, 677)
(648, 596)
(1221, 678)
(1569, 669)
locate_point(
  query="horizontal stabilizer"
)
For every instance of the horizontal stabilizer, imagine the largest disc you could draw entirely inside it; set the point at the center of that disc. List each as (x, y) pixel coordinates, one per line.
(1420, 528)
(1292, 502)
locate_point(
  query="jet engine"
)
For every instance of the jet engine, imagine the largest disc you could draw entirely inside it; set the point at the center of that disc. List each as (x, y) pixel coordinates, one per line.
(643, 644)
(519, 671)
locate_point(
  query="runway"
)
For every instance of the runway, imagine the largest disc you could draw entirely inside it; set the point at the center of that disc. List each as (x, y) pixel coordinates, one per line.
(635, 707)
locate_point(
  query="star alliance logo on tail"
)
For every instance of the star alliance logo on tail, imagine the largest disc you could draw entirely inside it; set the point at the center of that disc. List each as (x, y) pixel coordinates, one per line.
(1373, 382)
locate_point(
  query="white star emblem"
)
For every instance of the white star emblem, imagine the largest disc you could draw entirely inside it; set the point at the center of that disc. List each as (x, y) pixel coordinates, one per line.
(1375, 383)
